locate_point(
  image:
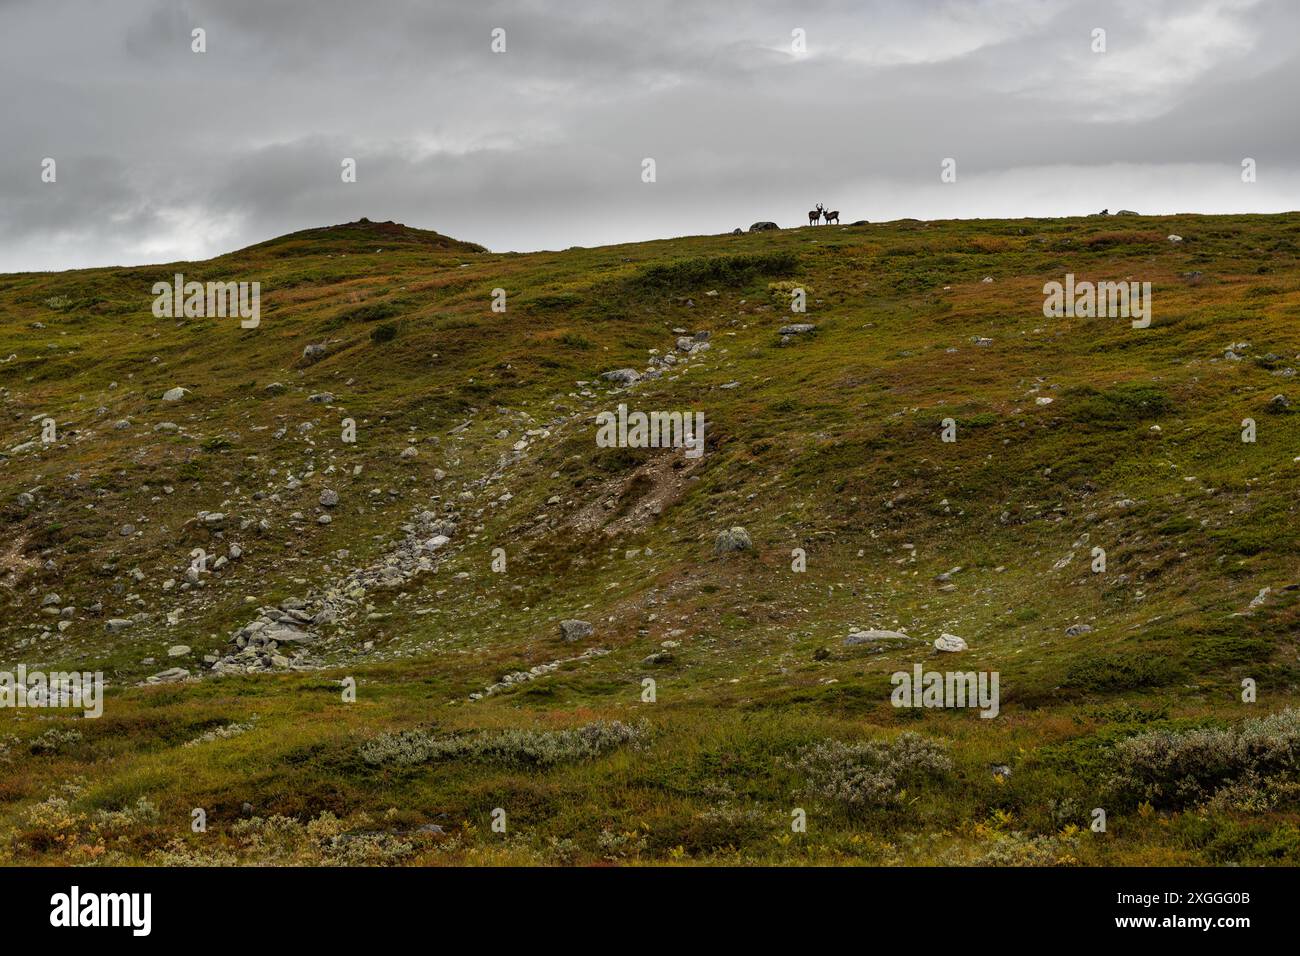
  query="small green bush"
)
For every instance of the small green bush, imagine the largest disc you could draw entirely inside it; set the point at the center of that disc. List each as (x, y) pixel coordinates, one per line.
(556, 301)
(871, 773)
(1121, 672)
(1182, 768)
(371, 312)
(717, 270)
(55, 741)
(530, 748)
(1118, 407)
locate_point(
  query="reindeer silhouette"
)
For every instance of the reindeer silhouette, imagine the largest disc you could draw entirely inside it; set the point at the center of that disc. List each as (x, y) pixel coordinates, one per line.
(829, 214)
(814, 215)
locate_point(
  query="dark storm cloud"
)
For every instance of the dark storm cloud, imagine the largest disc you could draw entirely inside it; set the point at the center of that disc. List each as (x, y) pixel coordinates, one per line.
(165, 154)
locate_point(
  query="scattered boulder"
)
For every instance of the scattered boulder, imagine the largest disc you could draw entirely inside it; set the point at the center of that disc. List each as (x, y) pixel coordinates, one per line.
(175, 394)
(284, 633)
(329, 498)
(763, 227)
(621, 376)
(171, 675)
(574, 630)
(871, 635)
(314, 352)
(1074, 630)
(178, 650)
(732, 539)
(949, 643)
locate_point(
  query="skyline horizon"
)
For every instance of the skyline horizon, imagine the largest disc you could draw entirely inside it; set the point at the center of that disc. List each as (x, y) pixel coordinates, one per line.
(638, 241)
(147, 131)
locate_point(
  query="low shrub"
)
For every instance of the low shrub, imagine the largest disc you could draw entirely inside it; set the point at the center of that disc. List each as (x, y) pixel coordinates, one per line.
(1183, 768)
(872, 773)
(371, 312)
(1119, 672)
(718, 270)
(528, 748)
(1118, 407)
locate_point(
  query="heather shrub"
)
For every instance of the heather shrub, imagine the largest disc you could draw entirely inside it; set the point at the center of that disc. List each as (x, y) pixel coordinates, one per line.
(1258, 760)
(1023, 849)
(872, 773)
(224, 732)
(55, 741)
(527, 748)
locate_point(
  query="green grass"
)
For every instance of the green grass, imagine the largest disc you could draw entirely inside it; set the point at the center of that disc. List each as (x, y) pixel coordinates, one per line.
(830, 444)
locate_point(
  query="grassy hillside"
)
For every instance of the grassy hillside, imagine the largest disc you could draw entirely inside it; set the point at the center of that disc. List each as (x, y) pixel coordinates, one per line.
(479, 426)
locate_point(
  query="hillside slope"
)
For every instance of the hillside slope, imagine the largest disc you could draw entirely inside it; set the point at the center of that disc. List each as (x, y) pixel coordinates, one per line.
(326, 563)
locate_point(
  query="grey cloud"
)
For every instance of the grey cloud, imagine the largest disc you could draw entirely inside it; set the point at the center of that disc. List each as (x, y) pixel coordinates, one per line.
(165, 154)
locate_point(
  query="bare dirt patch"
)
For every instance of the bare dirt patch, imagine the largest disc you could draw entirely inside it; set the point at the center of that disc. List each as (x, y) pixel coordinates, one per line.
(633, 501)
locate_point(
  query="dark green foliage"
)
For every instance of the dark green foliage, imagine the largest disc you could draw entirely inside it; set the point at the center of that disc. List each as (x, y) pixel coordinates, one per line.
(714, 270)
(1120, 406)
(1119, 672)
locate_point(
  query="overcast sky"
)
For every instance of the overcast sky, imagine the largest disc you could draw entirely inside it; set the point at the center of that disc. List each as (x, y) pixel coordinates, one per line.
(166, 154)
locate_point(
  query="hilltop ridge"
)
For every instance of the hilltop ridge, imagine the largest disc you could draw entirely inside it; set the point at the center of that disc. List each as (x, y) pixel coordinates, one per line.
(359, 236)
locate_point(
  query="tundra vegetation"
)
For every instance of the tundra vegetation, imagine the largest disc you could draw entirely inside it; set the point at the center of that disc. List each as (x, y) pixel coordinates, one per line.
(474, 512)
